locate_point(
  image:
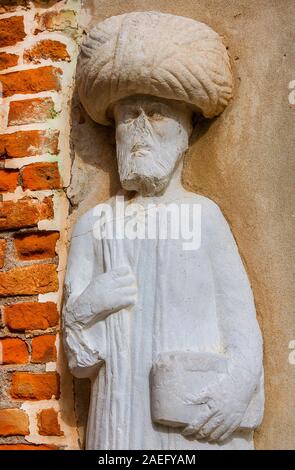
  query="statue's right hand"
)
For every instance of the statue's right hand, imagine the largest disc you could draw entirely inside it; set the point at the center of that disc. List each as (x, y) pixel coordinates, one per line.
(118, 289)
(107, 293)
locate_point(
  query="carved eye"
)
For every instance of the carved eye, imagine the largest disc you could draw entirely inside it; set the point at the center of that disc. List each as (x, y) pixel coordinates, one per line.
(154, 114)
(128, 120)
(134, 114)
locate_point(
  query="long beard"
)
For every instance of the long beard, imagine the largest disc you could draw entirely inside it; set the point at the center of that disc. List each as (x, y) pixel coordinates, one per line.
(148, 169)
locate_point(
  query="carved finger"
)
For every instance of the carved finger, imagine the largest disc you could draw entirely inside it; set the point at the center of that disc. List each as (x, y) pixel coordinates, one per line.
(208, 428)
(127, 291)
(128, 280)
(222, 430)
(130, 300)
(194, 427)
(229, 432)
(122, 271)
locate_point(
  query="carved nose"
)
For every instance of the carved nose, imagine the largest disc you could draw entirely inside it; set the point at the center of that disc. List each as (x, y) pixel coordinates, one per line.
(142, 126)
(141, 116)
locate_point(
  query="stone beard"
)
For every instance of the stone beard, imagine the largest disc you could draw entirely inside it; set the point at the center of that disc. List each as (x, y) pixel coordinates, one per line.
(168, 337)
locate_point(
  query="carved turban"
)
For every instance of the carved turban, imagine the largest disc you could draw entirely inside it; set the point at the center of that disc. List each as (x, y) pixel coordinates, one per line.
(154, 54)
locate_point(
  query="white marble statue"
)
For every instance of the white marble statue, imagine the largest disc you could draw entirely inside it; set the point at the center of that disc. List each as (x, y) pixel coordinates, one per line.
(168, 335)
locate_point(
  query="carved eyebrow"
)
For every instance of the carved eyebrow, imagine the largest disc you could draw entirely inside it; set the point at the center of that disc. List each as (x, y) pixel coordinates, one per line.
(161, 105)
(129, 107)
(157, 105)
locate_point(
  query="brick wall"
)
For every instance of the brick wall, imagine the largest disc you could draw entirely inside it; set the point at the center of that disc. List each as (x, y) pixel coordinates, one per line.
(38, 50)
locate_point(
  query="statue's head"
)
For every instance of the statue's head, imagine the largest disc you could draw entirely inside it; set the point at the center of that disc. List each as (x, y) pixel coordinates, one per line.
(147, 73)
(151, 136)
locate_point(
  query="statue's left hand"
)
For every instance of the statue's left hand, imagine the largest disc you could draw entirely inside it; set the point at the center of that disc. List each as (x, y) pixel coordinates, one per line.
(219, 410)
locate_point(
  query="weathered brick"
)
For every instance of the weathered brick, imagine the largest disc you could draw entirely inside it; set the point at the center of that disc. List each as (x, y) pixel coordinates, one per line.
(44, 349)
(29, 280)
(55, 21)
(13, 351)
(41, 176)
(48, 424)
(29, 386)
(47, 49)
(30, 111)
(46, 208)
(31, 81)
(8, 180)
(28, 143)
(2, 251)
(28, 447)
(7, 60)
(26, 212)
(31, 316)
(13, 422)
(39, 245)
(11, 30)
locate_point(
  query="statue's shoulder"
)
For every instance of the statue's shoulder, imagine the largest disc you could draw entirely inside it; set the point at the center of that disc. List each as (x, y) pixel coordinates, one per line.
(209, 207)
(86, 222)
(212, 216)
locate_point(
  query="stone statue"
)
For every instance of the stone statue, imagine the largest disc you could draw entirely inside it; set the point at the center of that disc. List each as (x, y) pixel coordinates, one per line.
(168, 335)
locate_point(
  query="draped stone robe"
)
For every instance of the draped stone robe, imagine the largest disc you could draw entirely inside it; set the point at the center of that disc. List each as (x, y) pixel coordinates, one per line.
(180, 294)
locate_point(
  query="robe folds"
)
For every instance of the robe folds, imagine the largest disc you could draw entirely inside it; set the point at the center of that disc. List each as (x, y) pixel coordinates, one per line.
(180, 294)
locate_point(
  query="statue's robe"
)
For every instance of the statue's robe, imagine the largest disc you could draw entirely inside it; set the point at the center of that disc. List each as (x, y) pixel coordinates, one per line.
(179, 296)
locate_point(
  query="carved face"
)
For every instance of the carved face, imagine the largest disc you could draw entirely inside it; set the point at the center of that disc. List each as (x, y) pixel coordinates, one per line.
(151, 137)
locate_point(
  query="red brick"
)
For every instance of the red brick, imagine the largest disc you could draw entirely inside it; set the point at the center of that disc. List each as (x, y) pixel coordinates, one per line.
(47, 49)
(26, 212)
(30, 111)
(7, 60)
(14, 422)
(28, 143)
(55, 21)
(31, 81)
(48, 424)
(43, 349)
(38, 176)
(46, 208)
(27, 447)
(31, 316)
(29, 386)
(14, 351)
(29, 280)
(39, 245)
(8, 180)
(11, 30)
(2, 251)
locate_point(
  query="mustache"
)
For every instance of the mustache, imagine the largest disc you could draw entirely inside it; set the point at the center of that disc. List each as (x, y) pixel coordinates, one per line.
(130, 160)
(138, 146)
(143, 142)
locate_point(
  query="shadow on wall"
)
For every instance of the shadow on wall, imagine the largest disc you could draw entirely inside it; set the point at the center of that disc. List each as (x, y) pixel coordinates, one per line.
(94, 167)
(82, 389)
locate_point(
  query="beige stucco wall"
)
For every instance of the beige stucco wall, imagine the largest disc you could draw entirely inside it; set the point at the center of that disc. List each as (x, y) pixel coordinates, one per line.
(244, 160)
